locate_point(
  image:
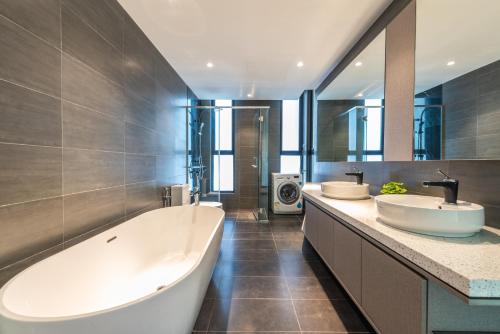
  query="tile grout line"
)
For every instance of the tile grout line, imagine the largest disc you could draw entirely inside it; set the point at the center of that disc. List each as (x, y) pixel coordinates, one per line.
(286, 283)
(62, 124)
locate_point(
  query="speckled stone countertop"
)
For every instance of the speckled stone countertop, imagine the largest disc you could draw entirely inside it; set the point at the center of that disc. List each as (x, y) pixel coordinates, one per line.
(470, 265)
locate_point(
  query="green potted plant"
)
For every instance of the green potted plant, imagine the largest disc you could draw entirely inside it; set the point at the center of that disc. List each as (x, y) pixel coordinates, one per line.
(393, 188)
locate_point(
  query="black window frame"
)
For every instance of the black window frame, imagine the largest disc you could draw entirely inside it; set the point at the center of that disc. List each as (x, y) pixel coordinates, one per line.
(214, 151)
(300, 151)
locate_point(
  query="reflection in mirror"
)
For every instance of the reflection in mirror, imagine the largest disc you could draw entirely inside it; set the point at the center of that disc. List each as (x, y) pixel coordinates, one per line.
(350, 110)
(457, 80)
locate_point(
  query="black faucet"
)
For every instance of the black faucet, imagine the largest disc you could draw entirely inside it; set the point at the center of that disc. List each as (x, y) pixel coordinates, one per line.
(450, 187)
(358, 174)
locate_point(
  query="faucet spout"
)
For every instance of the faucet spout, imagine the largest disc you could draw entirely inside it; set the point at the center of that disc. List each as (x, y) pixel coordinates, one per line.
(449, 185)
(358, 174)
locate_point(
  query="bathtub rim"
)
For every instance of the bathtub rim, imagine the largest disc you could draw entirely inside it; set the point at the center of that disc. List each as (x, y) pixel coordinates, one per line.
(7, 314)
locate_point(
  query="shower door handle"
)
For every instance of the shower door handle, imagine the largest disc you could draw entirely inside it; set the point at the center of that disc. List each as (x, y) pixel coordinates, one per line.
(255, 165)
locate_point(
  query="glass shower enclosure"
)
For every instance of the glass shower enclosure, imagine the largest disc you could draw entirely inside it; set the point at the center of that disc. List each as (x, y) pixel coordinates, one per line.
(227, 155)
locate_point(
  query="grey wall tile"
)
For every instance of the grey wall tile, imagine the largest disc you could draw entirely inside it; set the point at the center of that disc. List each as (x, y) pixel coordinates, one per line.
(83, 86)
(96, 108)
(83, 43)
(140, 140)
(29, 61)
(11, 270)
(29, 173)
(29, 117)
(29, 228)
(140, 196)
(139, 52)
(84, 128)
(86, 170)
(90, 210)
(101, 17)
(140, 168)
(40, 17)
(139, 83)
(140, 112)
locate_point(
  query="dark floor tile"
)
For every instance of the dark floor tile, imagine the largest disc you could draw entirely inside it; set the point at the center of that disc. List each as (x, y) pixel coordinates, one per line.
(249, 255)
(257, 227)
(248, 244)
(204, 316)
(29, 61)
(294, 235)
(302, 268)
(329, 315)
(247, 268)
(252, 287)
(295, 255)
(289, 244)
(286, 226)
(315, 288)
(253, 315)
(252, 236)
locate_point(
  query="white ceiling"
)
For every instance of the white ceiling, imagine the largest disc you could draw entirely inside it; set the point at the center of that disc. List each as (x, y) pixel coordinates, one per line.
(464, 31)
(366, 79)
(253, 44)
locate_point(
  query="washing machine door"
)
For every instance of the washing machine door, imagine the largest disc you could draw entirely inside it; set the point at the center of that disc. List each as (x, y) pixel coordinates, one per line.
(288, 193)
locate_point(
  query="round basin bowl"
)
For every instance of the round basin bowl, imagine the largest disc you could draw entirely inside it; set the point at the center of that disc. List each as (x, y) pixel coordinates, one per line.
(430, 215)
(345, 190)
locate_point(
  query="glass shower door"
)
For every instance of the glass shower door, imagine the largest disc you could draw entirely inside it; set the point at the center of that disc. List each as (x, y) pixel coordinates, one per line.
(262, 163)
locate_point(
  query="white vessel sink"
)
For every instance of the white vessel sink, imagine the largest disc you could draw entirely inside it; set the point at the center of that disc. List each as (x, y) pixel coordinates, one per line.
(345, 190)
(430, 215)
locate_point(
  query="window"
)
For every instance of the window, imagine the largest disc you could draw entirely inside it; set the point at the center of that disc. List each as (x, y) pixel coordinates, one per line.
(373, 131)
(223, 147)
(291, 139)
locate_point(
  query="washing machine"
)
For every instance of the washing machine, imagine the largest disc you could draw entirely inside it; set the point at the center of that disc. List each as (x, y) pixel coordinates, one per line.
(287, 193)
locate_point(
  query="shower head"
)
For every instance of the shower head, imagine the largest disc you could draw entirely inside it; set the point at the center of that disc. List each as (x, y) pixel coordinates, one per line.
(201, 129)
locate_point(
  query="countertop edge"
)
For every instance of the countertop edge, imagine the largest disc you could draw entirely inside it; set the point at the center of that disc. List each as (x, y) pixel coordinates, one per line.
(472, 288)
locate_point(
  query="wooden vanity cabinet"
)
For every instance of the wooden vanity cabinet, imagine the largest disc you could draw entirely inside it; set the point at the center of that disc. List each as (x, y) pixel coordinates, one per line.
(391, 295)
(347, 259)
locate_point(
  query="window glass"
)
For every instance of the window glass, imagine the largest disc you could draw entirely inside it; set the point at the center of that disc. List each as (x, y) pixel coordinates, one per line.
(223, 172)
(290, 126)
(224, 123)
(290, 164)
(374, 125)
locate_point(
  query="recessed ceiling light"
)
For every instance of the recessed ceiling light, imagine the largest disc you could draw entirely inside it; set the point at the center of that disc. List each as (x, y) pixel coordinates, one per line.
(300, 64)
(249, 95)
(450, 63)
(359, 95)
(358, 64)
(210, 64)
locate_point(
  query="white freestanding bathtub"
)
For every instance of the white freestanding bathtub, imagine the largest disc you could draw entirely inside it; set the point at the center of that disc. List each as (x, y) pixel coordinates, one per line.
(148, 275)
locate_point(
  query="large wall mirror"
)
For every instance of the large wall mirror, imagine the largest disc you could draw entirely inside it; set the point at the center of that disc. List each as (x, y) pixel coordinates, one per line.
(457, 80)
(350, 110)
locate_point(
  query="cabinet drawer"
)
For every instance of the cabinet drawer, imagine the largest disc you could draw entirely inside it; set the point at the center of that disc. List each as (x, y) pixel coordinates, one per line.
(347, 259)
(325, 238)
(311, 224)
(393, 296)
